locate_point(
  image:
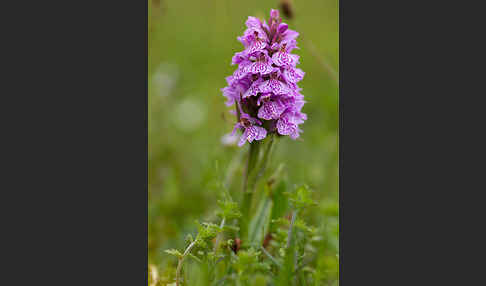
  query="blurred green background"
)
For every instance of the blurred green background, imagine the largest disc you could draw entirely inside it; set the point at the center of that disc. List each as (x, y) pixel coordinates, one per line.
(190, 48)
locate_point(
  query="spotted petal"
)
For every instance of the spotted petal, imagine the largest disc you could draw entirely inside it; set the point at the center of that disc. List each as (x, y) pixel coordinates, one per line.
(254, 89)
(275, 86)
(256, 46)
(283, 59)
(260, 67)
(241, 72)
(288, 124)
(286, 127)
(271, 110)
(252, 133)
(293, 75)
(231, 94)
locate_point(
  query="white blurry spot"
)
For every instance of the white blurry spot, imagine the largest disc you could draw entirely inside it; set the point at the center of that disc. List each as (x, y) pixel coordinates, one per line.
(229, 140)
(154, 274)
(165, 78)
(189, 114)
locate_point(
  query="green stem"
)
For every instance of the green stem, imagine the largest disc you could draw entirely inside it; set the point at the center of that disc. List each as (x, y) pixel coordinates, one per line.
(179, 264)
(271, 257)
(218, 238)
(254, 171)
(291, 243)
(292, 221)
(247, 193)
(255, 176)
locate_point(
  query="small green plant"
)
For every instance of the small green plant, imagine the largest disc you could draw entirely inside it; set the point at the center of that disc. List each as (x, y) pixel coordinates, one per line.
(206, 231)
(280, 251)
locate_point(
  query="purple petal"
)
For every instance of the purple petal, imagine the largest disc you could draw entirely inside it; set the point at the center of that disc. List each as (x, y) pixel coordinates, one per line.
(289, 35)
(241, 72)
(285, 127)
(231, 94)
(254, 89)
(261, 67)
(241, 85)
(238, 58)
(229, 80)
(288, 123)
(256, 46)
(294, 135)
(293, 75)
(255, 133)
(284, 59)
(245, 41)
(275, 86)
(289, 45)
(261, 132)
(271, 110)
(237, 125)
(243, 138)
(253, 22)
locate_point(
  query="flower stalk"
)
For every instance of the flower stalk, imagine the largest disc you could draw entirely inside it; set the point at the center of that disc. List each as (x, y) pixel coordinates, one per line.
(248, 193)
(254, 171)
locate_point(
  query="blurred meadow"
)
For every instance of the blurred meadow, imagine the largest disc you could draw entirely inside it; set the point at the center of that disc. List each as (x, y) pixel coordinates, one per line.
(191, 43)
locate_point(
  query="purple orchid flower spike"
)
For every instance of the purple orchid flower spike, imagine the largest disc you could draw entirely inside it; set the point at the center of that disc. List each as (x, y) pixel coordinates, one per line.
(265, 84)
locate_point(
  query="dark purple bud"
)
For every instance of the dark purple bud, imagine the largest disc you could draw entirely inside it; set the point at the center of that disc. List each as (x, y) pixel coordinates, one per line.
(274, 14)
(282, 27)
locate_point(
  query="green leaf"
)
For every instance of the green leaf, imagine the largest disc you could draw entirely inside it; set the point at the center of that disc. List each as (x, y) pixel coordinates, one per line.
(301, 198)
(300, 224)
(207, 231)
(174, 252)
(260, 223)
(248, 262)
(280, 202)
(286, 275)
(230, 228)
(194, 257)
(229, 210)
(189, 238)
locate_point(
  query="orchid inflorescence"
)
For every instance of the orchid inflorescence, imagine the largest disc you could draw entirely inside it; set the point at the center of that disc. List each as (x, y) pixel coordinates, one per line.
(264, 86)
